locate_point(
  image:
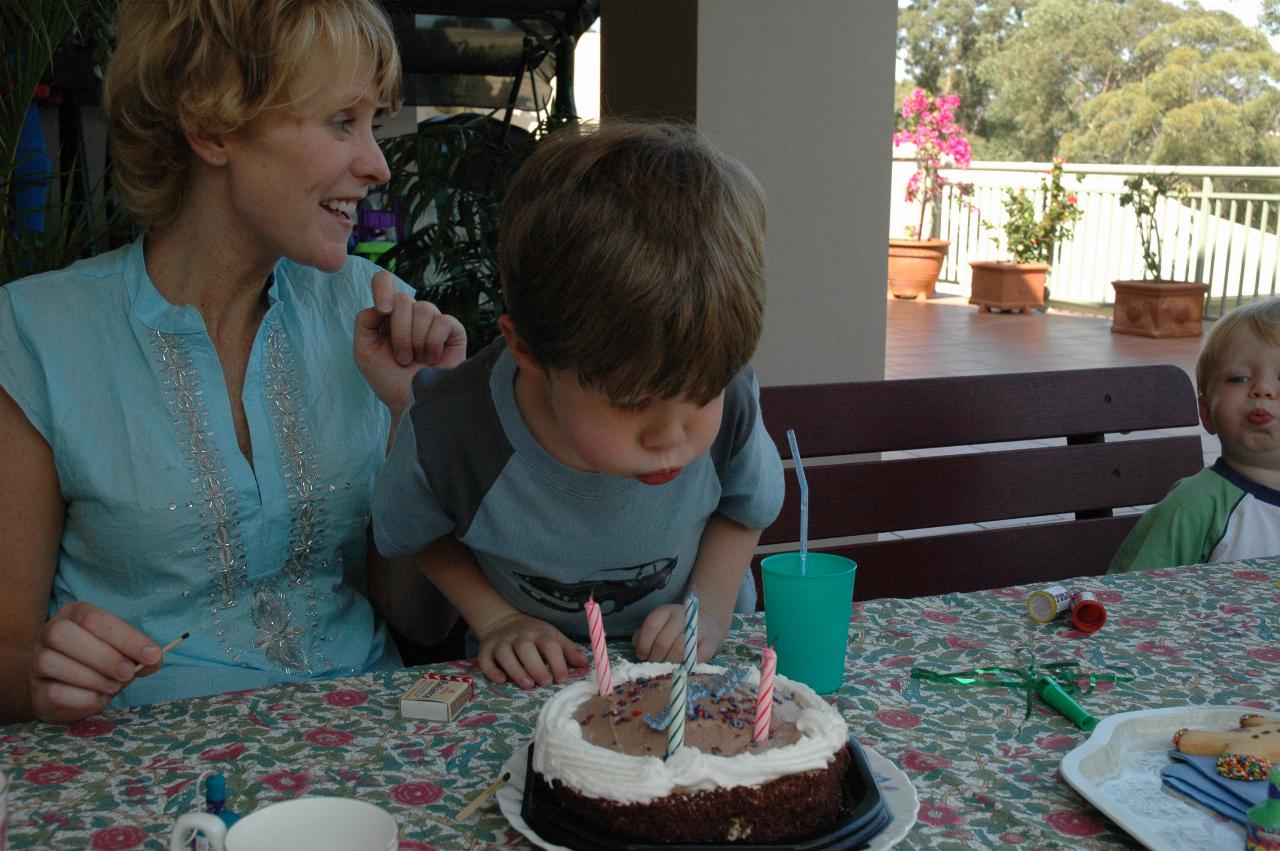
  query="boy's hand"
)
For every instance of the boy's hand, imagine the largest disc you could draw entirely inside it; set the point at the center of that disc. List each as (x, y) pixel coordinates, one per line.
(661, 636)
(528, 650)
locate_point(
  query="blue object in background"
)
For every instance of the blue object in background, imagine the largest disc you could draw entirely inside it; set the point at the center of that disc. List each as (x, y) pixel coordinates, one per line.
(31, 175)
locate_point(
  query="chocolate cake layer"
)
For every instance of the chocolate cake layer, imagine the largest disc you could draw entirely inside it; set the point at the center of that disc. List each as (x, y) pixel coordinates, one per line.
(788, 809)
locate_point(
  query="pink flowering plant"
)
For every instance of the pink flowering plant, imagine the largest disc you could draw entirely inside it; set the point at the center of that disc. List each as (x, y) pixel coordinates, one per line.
(929, 124)
(1034, 226)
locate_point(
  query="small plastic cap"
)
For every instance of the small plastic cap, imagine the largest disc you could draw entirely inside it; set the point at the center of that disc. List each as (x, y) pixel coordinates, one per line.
(1088, 615)
(215, 788)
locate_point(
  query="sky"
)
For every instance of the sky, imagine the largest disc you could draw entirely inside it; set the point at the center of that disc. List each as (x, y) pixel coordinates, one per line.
(1246, 10)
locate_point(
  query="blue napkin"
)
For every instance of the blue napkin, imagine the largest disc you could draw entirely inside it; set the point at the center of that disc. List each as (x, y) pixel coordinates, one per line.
(1197, 778)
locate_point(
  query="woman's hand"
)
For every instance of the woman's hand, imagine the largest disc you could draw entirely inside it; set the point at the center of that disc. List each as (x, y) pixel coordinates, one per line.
(83, 657)
(528, 650)
(398, 336)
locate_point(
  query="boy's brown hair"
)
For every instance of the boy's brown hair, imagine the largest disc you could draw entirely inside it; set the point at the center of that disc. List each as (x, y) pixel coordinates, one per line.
(1261, 318)
(633, 254)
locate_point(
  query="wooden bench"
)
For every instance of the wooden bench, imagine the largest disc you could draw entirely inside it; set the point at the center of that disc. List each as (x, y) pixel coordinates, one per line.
(1081, 474)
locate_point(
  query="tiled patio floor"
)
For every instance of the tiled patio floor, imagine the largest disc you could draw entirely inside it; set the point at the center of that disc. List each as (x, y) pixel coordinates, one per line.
(946, 336)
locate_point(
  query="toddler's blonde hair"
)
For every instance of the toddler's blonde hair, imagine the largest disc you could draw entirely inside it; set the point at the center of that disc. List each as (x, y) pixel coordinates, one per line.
(1260, 318)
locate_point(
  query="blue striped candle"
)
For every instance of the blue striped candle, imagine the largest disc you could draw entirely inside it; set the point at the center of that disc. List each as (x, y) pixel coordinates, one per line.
(690, 632)
(676, 710)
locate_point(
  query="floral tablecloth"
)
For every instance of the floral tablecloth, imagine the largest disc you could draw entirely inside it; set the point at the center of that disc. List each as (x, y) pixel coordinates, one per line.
(985, 774)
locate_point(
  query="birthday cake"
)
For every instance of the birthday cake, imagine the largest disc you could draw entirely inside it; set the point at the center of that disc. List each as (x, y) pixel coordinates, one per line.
(603, 761)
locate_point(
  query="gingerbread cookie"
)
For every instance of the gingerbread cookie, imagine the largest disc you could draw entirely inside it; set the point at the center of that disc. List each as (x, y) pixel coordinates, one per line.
(1244, 754)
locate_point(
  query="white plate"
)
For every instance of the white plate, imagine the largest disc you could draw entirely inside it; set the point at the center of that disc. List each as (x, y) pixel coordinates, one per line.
(1118, 771)
(899, 795)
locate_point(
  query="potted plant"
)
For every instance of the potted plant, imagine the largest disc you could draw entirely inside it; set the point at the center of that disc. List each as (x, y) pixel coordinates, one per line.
(1155, 307)
(1031, 232)
(449, 178)
(929, 124)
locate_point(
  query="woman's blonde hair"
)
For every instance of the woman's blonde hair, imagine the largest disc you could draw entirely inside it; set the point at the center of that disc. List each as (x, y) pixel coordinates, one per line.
(633, 254)
(1261, 318)
(213, 67)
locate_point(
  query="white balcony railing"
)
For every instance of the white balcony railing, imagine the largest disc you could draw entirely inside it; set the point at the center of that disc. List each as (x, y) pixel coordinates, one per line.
(1226, 239)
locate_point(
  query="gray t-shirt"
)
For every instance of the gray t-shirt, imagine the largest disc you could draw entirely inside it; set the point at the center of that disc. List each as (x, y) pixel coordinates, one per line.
(548, 536)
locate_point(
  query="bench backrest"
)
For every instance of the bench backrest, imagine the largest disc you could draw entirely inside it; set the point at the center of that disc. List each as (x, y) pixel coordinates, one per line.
(1071, 477)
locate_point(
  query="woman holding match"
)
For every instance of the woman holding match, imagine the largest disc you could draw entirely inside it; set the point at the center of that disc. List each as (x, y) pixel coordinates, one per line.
(187, 443)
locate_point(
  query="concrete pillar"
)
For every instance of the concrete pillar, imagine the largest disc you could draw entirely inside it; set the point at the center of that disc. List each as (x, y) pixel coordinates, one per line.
(802, 92)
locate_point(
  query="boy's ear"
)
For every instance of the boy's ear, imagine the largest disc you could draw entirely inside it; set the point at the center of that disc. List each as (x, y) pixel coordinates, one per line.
(519, 350)
(211, 148)
(1206, 414)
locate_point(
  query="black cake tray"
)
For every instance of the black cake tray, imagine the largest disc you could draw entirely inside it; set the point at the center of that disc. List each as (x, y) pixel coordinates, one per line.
(863, 814)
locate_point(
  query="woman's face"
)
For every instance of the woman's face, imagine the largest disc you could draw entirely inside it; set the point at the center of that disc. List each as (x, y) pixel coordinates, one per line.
(296, 175)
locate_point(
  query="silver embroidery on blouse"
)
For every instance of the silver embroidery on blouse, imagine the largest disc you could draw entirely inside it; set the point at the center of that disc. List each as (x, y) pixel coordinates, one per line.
(279, 638)
(223, 546)
(297, 456)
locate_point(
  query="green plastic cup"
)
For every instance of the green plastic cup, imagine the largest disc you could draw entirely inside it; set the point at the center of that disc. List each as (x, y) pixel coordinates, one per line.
(807, 616)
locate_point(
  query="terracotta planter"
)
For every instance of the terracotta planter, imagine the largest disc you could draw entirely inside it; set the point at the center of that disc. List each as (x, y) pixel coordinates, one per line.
(914, 266)
(1007, 286)
(1158, 308)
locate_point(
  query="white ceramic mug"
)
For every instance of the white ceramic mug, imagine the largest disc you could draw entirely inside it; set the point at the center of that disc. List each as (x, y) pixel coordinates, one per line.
(316, 824)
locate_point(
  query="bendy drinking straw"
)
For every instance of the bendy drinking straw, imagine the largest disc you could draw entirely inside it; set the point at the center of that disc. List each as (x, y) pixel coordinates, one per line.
(804, 498)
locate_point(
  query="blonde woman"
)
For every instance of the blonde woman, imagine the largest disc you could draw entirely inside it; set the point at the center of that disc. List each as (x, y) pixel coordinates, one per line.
(187, 443)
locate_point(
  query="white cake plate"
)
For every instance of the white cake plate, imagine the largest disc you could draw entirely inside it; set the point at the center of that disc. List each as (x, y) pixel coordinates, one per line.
(1117, 769)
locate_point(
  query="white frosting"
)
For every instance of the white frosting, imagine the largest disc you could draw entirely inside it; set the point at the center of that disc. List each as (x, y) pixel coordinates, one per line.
(561, 753)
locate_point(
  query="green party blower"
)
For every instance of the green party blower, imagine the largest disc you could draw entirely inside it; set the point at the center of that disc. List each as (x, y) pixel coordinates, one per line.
(1034, 678)
(1056, 696)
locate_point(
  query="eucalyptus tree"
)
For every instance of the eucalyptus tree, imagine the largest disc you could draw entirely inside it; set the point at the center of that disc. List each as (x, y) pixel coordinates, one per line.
(1101, 80)
(1203, 91)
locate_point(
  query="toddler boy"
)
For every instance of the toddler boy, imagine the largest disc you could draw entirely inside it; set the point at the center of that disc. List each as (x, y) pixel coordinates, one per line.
(1231, 510)
(610, 444)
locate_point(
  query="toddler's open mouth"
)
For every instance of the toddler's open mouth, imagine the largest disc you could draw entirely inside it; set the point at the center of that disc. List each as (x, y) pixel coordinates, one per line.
(661, 477)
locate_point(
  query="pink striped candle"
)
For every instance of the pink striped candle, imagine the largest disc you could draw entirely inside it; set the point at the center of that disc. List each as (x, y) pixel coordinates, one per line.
(764, 695)
(599, 651)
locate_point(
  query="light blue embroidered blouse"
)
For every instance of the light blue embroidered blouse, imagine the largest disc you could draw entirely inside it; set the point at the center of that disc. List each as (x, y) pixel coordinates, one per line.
(167, 524)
